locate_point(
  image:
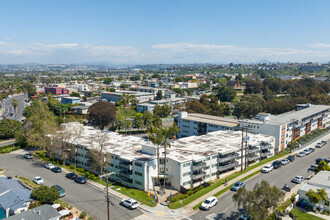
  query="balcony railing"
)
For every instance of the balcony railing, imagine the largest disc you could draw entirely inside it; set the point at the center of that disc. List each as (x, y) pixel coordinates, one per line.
(264, 147)
(125, 165)
(228, 166)
(266, 154)
(253, 158)
(199, 166)
(228, 158)
(198, 176)
(253, 150)
(126, 174)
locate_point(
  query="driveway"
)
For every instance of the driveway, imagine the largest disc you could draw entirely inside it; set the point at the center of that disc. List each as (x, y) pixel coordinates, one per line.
(83, 197)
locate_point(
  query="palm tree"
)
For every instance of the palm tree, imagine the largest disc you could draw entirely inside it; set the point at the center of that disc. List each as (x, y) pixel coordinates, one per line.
(15, 104)
(127, 101)
(161, 136)
(155, 136)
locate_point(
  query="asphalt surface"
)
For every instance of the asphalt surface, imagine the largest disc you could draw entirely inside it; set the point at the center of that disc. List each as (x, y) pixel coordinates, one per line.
(9, 109)
(6, 143)
(226, 209)
(83, 197)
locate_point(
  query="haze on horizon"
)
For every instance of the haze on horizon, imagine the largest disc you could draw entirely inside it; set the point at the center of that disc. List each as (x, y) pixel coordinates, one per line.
(148, 32)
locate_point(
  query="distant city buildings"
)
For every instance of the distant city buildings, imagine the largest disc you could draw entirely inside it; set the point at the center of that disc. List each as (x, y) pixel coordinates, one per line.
(116, 96)
(56, 90)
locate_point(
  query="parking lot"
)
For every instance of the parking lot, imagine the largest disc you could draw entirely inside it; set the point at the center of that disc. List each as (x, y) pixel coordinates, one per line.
(82, 196)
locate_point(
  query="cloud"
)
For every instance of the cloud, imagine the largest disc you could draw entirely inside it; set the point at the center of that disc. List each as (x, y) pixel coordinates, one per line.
(319, 45)
(179, 52)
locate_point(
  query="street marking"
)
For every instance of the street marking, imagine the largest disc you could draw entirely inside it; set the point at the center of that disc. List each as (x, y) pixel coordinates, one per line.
(211, 216)
(229, 207)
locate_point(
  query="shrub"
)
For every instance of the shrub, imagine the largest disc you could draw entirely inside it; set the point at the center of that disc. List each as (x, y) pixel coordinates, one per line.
(42, 154)
(45, 194)
(90, 218)
(82, 215)
(92, 176)
(325, 213)
(71, 166)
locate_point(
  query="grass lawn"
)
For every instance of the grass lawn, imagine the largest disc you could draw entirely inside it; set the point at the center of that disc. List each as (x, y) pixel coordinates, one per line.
(304, 216)
(62, 203)
(28, 182)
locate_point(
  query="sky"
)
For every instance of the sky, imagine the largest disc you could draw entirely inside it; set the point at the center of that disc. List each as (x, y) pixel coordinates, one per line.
(164, 31)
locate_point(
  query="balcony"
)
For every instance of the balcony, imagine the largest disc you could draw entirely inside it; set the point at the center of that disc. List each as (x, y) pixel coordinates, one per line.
(268, 153)
(253, 150)
(253, 158)
(125, 165)
(198, 176)
(126, 174)
(227, 167)
(228, 158)
(264, 147)
(199, 166)
(126, 182)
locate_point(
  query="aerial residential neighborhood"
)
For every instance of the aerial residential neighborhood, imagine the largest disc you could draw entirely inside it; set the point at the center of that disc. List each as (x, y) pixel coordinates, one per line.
(151, 110)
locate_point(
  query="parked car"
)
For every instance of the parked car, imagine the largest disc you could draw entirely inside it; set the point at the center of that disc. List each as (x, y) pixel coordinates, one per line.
(237, 186)
(28, 156)
(245, 217)
(277, 164)
(209, 203)
(49, 166)
(291, 158)
(298, 179)
(57, 169)
(71, 176)
(313, 166)
(267, 168)
(307, 151)
(60, 191)
(38, 180)
(301, 154)
(323, 143)
(81, 180)
(312, 149)
(285, 161)
(319, 145)
(129, 203)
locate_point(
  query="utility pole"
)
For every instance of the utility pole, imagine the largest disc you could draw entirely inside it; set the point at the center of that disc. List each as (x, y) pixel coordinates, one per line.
(246, 140)
(108, 200)
(242, 149)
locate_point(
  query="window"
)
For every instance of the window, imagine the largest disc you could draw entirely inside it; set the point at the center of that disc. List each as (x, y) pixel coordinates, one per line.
(186, 164)
(186, 183)
(138, 164)
(138, 173)
(213, 174)
(207, 159)
(214, 165)
(138, 182)
(214, 157)
(186, 174)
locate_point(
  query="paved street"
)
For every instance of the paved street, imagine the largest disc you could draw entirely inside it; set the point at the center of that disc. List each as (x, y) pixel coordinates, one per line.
(83, 197)
(8, 142)
(226, 208)
(9, 109)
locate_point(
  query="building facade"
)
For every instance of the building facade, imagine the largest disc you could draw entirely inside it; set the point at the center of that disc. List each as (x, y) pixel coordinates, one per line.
(290, 125)
(70, 100)
(193, 124)
(145, 107)
(116, 96)
(56, 90)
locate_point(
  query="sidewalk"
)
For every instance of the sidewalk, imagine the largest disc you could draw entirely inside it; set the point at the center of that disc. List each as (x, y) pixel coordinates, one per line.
(189, 207)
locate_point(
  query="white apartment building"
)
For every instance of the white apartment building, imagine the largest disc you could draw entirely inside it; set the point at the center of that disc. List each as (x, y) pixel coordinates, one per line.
(190, 161)
(116, 96)
(150, 90)
(193, 124)
(169, 101)
(290, 125)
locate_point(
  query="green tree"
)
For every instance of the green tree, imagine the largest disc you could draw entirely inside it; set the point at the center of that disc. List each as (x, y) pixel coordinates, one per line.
(138, 121)
(159, 95)
(107, 81)
(8, 128)
(179, 79)
(75, 94)
(101, 114)
(226, 94)
(253, 87)
(157, 121)
(147, 118)
(268, 94)
(28, 88)
(45, 195)
(316, 197)
(249, 106)
(15, 104)
(179, 91)
(195, 106)
(127, 103)
(259, 201)
(322, 166)
(84, 98)
(162, 111)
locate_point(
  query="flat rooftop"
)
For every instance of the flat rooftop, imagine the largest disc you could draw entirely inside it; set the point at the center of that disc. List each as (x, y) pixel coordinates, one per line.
(120, 93)
(210, 119)
(300, 114)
